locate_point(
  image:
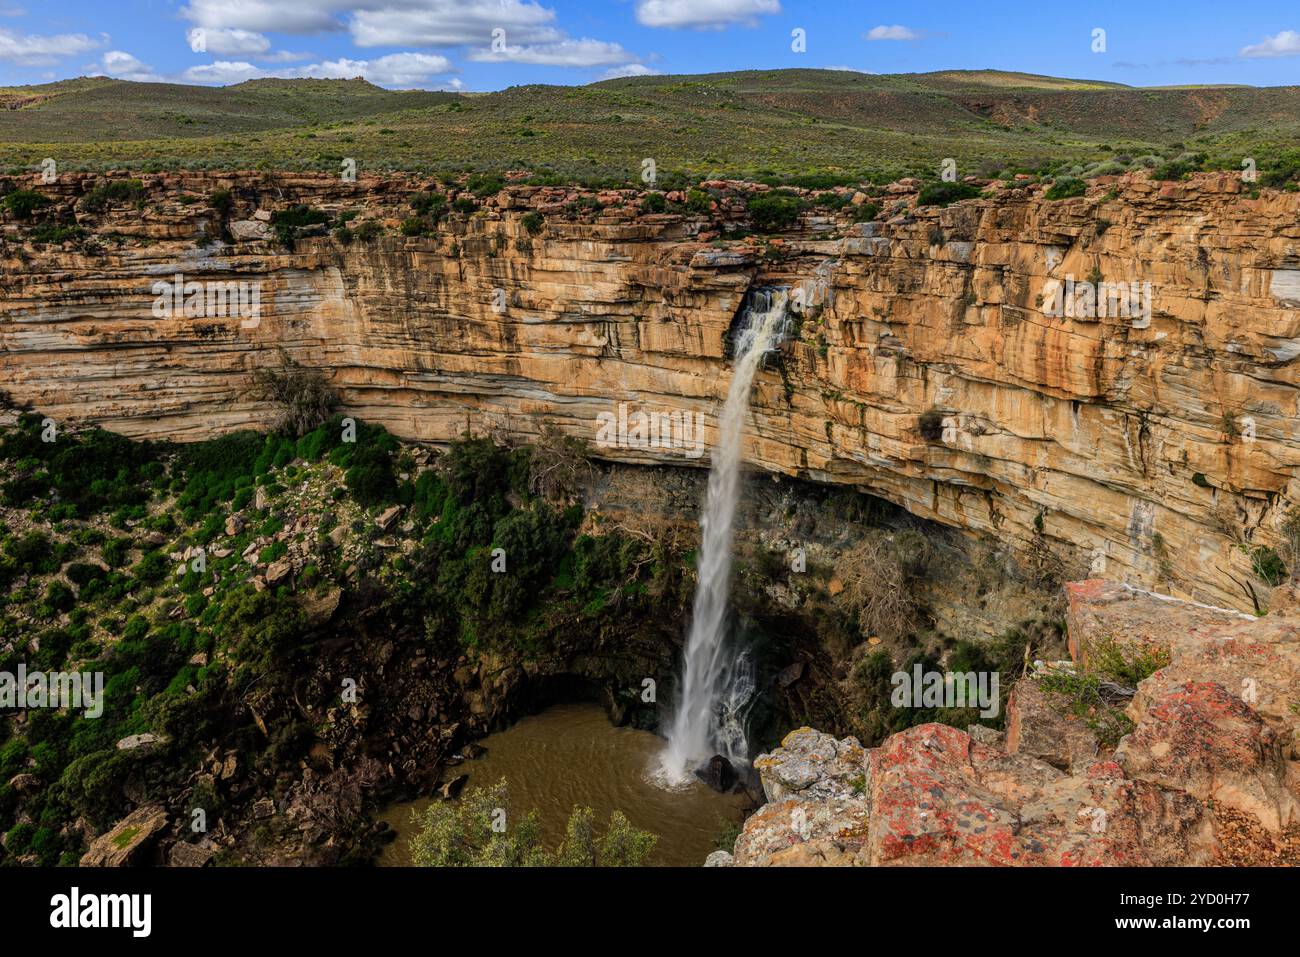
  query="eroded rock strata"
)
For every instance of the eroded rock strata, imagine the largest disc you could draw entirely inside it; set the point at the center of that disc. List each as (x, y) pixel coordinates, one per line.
(1160, 453)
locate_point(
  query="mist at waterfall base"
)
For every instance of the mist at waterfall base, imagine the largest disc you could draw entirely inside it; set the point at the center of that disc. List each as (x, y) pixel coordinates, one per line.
(717, 687)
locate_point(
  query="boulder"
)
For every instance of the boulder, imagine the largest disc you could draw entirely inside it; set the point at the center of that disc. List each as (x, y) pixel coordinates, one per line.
(183, 854)
(1201, 739)
(127, 841)
(452, 788)
(717, 774)
(790, 674)
(809, 761)
(937, 798)
(249, 230)
(320, 608)
(1109, 612)
(1040, 727)
(386, 518)
(279, 572)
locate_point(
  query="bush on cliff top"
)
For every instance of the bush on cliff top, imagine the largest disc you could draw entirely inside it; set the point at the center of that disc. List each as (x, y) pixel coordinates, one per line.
(1066, 188)
(942, 194)
(774, 211)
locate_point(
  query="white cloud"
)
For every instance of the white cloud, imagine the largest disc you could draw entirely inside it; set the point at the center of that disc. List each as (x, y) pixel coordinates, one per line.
(632, 69)
(396, 69)
(276, 16)
(223, 41)
(123, 66)
(1286, 43)
(375, 23)
(405, 69)
(895, 32)
(222, 72)
(446, 23)
(33, 50)
(576, 53)
(703, 13)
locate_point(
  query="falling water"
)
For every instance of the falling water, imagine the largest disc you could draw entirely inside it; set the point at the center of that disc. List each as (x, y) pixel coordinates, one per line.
(717, 688)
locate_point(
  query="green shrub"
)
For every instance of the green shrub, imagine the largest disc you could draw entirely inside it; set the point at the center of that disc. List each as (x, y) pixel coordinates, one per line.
(865, 213)
(221, 201)
(461, 834)
(370, 479)
(288, 223)
(49, 234)
(432, 205)
(414, 226)
(33, 553)
(1173, 170)
(484, 184)
(698, 201)
(533, 222)
(1066, 188)
(942, 194)
(774, 211)
(21, 203)
(115, 191)
(1268, 565)
(654, 203)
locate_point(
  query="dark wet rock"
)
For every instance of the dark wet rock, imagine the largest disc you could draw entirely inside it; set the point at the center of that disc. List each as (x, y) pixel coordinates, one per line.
(717, 773)
(453, 787)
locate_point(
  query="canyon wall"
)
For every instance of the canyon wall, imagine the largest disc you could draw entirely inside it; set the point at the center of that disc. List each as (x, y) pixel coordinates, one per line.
(921, 366)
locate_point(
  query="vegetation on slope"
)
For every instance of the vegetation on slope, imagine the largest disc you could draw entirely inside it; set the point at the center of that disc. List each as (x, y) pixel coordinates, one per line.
(777, 125)
(97, 574)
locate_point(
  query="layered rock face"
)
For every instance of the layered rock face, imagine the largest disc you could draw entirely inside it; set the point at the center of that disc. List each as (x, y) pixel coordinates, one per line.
(1214, 754)
(921, 363)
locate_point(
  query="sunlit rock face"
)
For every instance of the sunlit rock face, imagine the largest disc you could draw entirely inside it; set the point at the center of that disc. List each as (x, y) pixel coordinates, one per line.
(1215, 740)
(928, 367)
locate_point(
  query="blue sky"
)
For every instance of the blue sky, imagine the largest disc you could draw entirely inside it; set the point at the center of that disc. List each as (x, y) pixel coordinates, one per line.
(490, 44)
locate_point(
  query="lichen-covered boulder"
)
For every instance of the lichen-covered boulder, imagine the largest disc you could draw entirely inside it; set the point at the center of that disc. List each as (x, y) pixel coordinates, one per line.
(1201, 739)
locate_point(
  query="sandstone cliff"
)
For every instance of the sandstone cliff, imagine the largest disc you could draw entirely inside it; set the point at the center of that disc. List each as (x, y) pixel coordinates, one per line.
(923, 366)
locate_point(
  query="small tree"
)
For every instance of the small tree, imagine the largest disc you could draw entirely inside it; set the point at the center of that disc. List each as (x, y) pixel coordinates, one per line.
(878, 588)
(559, 466)
(465, 833)
(303, 395)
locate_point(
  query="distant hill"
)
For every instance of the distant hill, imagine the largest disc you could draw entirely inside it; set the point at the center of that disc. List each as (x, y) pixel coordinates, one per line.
(774, 124)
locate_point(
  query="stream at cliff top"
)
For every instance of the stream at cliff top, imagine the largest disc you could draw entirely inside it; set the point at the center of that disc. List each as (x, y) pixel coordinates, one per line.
(571, 755)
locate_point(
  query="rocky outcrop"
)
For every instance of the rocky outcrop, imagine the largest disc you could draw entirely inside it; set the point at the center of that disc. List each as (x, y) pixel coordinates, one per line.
(128, 841)
(1159, 449)
(1214, 744)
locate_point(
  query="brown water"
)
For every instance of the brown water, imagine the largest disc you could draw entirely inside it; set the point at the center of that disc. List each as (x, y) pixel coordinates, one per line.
(571, 755)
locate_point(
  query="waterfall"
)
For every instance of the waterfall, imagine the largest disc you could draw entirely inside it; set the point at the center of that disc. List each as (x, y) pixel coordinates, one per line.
(717, 687)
